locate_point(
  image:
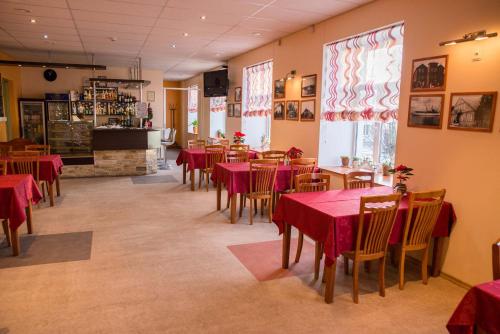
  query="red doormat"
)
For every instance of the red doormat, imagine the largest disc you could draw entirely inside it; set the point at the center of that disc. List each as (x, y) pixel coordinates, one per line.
(263, 259)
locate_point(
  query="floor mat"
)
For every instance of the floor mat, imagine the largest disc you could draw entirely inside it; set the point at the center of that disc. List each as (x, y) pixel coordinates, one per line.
(153, 179)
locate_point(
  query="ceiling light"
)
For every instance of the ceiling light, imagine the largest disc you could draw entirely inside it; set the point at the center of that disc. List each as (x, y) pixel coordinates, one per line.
(67, 67)
(185, 34)
(19, 65)
(113, 39)
(217, 54)
(203, 17)
(291, 75)
(173, 46)
(45, 36)
(44, 66)
(257, 34)
(472, 36)
(33, 20)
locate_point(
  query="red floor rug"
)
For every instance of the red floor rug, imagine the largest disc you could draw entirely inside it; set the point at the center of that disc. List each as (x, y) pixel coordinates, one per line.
(263, 259)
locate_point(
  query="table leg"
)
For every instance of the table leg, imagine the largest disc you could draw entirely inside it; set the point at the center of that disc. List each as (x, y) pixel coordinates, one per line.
(437, 257)
(219, 193)
(191, 177)
(29, 216)
(330, 281)
(14, 239)
(58, 186)
(233, 208)
(285, 261)
(183, 173)
(51, 193)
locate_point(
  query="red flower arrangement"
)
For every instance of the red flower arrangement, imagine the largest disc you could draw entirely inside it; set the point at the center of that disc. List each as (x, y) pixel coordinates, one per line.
(294, 153)
(402, 173)
(239, 137)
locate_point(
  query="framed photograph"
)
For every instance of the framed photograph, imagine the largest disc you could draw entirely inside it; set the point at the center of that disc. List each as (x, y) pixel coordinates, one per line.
(429, 74)
(237, 94)
(279, 89)
(292, 110)
(426, 111)
(279, 110)
(230, 110)
(237, 110)
(308, 86)
(150, 95)
(472, 111)
(307, 110)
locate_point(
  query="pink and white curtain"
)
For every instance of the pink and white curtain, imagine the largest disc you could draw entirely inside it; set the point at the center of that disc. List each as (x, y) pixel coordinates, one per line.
(258, 90)
(193, 99)
(361, 77)
(218, 104)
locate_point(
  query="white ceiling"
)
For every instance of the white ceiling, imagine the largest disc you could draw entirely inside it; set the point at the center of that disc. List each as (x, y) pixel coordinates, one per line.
(77, 29)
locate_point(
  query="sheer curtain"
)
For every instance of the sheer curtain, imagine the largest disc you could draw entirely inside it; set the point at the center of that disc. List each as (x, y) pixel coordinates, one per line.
(192, 106)
(217, 115)
(257, 103)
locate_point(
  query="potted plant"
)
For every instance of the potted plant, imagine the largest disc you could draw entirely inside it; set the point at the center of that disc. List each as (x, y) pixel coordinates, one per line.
(294, 153)
(195, 126)
(386, 166)
(345, 161)
(402, 173)
(220, 134)
(238, 137)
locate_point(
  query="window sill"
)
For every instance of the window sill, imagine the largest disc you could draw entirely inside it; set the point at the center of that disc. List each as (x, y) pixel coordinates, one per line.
(380, 179)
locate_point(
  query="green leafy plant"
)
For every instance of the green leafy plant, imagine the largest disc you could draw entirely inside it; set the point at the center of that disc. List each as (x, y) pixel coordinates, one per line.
(402, 174)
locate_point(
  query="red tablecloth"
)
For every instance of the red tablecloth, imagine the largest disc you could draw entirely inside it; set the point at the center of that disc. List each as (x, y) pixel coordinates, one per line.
(236, 177)
(195, 158)
(331, 217)
(50, 166)
(15, 192)
(479, 307)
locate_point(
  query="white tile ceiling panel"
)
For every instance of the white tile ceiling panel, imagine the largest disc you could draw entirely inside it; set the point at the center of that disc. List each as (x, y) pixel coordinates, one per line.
(142, 2)
(113, 7)
(192, 25)
(56, 37)
(95, 16)
(214, 17)
(107, 28)
(47, 3)
(36, 11)
(210, 7)
(105, 42)
(42, 21)
(37, 29)
(292, 16)
(332, 7)
(108, 34)
(259, 23)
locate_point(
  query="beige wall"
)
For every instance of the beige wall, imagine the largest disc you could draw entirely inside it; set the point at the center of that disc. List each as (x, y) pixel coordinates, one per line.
(203, 109)
(441, 158)
(13, 75)
(35, 86)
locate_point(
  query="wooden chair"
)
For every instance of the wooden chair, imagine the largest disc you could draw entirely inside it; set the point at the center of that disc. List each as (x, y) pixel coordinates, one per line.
(300, 166)
(19, 144)
(43, 149)
(5, 222)
(236, 156)
(5, 150)
(495, 250)
(20, 154)
(224, 142)
(423, 213)
(274, 155)
(358, 180)
(372, 240)
(262, 179)
(196, 143)
(213, 154)
(311, 182)
(3, 167)
(239, 147)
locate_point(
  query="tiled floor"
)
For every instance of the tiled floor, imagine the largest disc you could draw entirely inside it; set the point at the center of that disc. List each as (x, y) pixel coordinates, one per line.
(160, 263)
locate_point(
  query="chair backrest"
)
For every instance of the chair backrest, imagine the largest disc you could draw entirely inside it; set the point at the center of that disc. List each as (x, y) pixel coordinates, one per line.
(274, 155)
(5, 149)
(236, 156)
(224, 142)
(26, 165)
(495, 249)
(239, 147)
(196, 143)
(213, 154)
(263, 176)
(43, 149)
(423, 213)
(18, 144)
(3, 167)
(301, 166)
(15, 154)
(312, 182)
(380, 214)
(359, 179)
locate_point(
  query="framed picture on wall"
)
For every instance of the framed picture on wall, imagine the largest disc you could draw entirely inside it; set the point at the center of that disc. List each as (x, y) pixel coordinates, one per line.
(237, 109)
(308, 86)
(307, 110)
(150, 95)
(279, 89)
(237, 94)
(429, 74)
(472, 111)
(230, 110)
(292, 110)
(279, 110)
(426, 111)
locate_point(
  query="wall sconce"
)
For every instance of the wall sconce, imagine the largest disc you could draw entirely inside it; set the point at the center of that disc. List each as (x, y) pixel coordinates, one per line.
(291, 75)
(472, 36)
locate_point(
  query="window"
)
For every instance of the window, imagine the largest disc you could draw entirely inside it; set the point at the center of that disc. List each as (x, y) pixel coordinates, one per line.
(257, 102)
(360, 96)
(192, 107)
(217, 115)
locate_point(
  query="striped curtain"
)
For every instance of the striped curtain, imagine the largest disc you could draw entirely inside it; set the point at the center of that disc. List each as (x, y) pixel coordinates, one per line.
(361, 77)
(257, 97)
(218, 104)
(193, 99)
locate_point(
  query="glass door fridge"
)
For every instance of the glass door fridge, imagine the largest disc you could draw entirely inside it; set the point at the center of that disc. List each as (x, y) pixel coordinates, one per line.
(58, 123)
(32, 120)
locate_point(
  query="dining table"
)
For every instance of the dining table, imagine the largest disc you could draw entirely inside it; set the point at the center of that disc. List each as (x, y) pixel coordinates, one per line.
(478, 312)
(192, 159)
(51, 167)
(331, 218)
(17, 193)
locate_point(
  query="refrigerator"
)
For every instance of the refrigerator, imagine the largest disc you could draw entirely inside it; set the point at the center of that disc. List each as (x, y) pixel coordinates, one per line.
(57, 110)
(32, 120)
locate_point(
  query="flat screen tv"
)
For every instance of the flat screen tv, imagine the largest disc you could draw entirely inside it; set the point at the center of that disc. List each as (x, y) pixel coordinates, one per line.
(215, 83)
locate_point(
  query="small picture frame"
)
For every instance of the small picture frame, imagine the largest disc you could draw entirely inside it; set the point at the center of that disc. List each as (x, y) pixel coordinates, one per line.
(279, 89)
(472, 111)
(429, 74)
(150, 95)
(230, 110)
(237, 94)
(426, 111)
(279, 110)
(237, 109)
(307, 110)
(292, 110)
(308, 86)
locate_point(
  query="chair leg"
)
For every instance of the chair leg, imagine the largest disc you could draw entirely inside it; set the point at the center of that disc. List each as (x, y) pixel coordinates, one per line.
(300, 242)
(270, 213)
(262, 208)
(242, 196)
(355, 281)
(255, 204)
(381, 276)
(402, 259)
(43, 191)
(425, 261)
(227, 201)
(346, 265)
(251, 211)
(6, 230)
(199, 179)
(317, 259)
